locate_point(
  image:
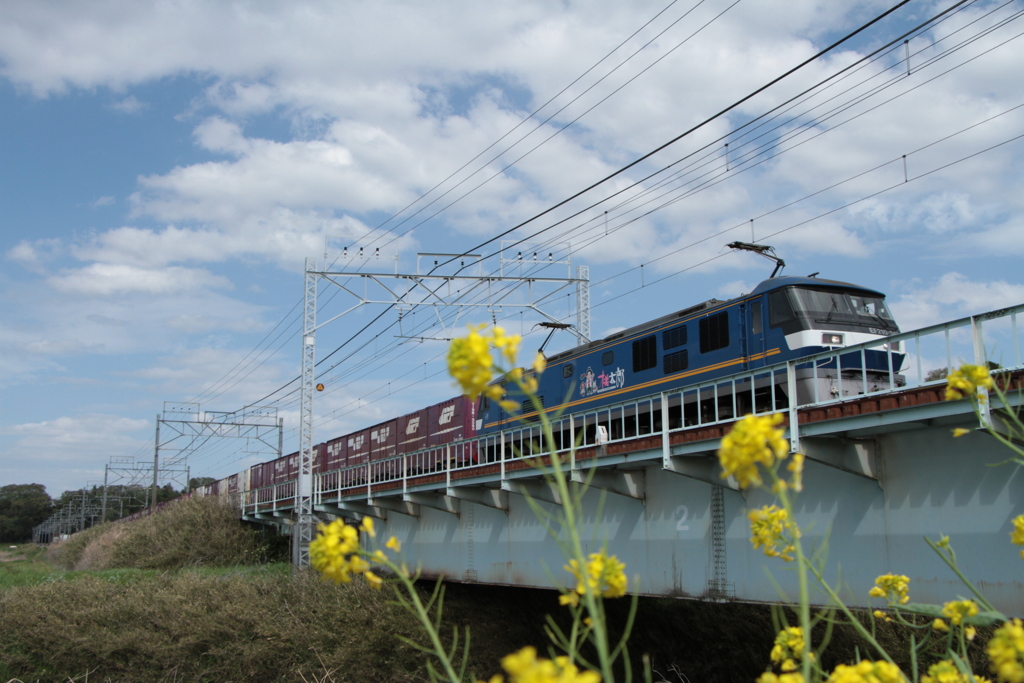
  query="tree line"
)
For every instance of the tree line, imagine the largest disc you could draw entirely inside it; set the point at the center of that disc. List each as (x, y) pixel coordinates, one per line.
(25, 506)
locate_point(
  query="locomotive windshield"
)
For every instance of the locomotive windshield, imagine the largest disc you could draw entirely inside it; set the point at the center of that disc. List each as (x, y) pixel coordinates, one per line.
(822, 308)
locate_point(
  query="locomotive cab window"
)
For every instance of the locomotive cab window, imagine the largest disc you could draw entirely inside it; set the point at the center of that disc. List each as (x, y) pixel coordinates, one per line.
(714, 332)
(567, 370)
(608, 358)
(779, 309)
(826, 308)
(645, 353)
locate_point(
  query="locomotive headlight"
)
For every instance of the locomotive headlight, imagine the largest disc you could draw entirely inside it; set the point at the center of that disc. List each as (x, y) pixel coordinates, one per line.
(895, 346)
(832, 339)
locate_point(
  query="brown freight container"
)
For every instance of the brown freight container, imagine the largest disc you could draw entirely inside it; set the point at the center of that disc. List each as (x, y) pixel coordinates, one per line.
(335, 454)
(454, 420)
(384, 446)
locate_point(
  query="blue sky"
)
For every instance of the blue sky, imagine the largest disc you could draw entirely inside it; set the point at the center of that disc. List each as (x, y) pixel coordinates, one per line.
(165, 169)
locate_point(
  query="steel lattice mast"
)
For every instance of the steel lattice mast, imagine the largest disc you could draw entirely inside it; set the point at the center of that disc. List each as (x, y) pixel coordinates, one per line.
(406, 291)
(306, 520)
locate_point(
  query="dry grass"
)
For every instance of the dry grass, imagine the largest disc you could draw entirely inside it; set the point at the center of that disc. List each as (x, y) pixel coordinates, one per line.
(193, 626)
(197, 532)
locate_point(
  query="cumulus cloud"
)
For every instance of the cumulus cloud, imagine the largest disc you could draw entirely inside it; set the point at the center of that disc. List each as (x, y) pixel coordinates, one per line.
(63, 452)
(919, 303)
(103, 279)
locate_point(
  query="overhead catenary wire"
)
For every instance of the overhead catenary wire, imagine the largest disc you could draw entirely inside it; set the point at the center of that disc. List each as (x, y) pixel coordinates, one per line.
(599, 304)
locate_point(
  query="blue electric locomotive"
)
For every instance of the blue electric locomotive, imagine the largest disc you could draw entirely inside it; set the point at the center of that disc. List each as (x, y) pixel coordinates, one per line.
(783, 318)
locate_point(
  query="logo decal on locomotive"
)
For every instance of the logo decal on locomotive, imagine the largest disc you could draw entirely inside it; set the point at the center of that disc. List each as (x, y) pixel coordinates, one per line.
(592, 385)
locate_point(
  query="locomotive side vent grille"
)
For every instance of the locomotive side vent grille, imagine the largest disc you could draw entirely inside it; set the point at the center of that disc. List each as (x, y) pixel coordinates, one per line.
(645, 353)
(675, 362)
(714, 332)
(673, 338)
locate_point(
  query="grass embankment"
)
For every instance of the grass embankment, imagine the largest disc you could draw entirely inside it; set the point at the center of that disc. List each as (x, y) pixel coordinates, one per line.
(169, 599)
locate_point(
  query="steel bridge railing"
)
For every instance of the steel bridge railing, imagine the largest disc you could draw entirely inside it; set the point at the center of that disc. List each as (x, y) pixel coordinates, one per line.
(913, 359)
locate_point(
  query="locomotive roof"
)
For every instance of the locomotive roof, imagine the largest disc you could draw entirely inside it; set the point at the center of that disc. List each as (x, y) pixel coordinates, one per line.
(709, 305)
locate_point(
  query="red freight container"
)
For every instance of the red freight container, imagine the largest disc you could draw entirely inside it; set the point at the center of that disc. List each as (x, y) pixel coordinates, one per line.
(452, 420)
(335, 454)
(358, 447)
(384, 446)
(412, 431)
(256, 476)
(281, 471)
(384, 440)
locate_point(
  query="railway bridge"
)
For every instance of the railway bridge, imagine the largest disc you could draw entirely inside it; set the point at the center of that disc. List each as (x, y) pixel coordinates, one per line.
(882, 472)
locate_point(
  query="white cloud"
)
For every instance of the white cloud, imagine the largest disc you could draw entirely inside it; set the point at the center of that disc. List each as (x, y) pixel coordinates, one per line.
(918, 304)
(129, 105)
(63, 452)
(35, 255)
(104, 279)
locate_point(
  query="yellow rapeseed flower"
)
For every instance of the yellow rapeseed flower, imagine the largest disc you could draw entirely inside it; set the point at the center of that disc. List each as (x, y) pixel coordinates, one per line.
(367, 526)
(946, 672)
(791, 677)
(525, 667)
(372, 579)
(788, 648)
(967, 382)
(960, 431)
(773, 530)
(1017, 535)
(507, 344)
(1006, 652)
(334, 552)
(540, 363)
(571, 599)
(958, 610)
(394, 544)
(603, 574)
(894, 587)
(866, 671)
(753, 440)
(470, 362)
(940, 625)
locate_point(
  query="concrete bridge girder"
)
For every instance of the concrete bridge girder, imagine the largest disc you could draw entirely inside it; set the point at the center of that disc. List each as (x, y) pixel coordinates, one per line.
(435, 501)
(351, 509)
(532, 488)
(856, 456)
(487, 497)
(630, 483)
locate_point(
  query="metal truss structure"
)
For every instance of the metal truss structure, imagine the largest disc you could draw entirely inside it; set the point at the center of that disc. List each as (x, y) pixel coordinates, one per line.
(133, 481)
(187, 427)
(70, 518)
(522, 282)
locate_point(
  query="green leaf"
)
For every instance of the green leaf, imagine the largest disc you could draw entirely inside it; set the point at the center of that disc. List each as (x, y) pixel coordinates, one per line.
(921, 608)
(986, 618)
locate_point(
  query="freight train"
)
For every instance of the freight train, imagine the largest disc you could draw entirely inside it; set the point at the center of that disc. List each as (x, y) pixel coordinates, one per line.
(782, 319)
